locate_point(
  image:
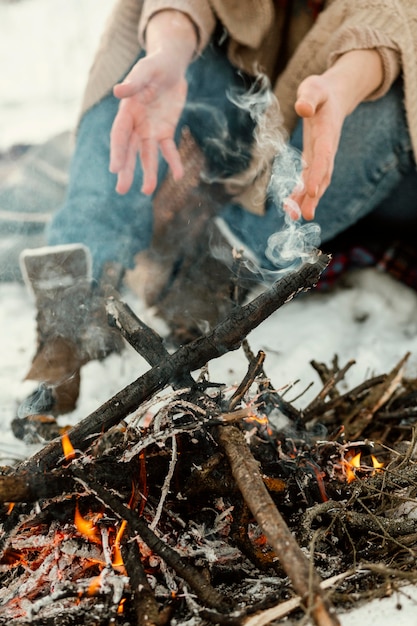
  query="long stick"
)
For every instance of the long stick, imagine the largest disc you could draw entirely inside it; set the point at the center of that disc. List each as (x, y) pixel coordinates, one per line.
(302, 574)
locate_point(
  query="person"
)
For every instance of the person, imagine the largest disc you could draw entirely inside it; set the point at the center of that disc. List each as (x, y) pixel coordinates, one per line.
(305, 114)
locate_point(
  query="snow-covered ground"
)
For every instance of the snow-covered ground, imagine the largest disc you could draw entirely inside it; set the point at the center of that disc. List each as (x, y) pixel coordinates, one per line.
(45, 50)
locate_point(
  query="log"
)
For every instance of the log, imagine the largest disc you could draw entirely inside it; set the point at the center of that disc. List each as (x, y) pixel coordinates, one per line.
(142, 338)
(146, 607)
(25, 486)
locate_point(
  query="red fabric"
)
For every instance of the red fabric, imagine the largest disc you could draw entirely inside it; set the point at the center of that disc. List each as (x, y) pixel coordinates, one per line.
(398, 259)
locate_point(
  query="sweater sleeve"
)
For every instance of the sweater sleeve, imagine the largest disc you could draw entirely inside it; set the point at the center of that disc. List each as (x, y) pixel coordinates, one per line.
(366, 38)
(199, 11)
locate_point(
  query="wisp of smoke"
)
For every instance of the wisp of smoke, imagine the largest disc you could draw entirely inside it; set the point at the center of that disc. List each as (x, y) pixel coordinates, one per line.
(296, 242)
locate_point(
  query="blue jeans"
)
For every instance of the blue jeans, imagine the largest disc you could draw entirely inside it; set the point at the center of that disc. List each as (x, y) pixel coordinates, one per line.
(116, 227)
(374, 170)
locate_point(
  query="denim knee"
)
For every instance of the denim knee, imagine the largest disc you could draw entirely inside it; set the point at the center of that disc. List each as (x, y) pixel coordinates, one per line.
(113, 226)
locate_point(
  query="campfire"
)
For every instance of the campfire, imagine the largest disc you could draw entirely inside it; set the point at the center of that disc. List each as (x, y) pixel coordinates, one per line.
(181, 501)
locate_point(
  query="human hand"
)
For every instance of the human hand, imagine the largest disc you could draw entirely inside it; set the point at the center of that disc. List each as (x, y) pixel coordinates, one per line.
(153, 96)
(323, 118)
(324, 102)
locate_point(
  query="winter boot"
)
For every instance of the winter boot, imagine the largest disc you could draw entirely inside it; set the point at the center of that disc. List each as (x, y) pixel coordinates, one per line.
(72, 327)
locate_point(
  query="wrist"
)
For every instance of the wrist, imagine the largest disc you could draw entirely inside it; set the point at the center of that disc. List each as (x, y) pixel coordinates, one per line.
(354, 76)
(173, 33)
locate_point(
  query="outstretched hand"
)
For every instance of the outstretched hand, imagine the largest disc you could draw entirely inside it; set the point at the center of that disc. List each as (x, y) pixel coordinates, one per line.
(323, 118)
(323, 102)
(152, 98)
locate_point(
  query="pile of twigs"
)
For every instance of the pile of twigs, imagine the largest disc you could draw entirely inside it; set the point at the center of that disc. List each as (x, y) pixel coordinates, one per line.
(220, 516)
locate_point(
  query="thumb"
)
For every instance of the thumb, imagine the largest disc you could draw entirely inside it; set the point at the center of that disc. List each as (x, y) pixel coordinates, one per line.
(138, 77)
(125, 89)
(309, 97)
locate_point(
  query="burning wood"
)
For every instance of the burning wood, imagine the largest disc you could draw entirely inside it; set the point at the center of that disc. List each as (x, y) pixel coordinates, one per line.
(195, 506)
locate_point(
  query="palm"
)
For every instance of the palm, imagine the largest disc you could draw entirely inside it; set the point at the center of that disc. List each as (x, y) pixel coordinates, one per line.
(322, 124)
(146, 123)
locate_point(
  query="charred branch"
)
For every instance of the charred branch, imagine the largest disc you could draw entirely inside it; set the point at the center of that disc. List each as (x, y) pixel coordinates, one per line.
(196, 581)
(255, 368)
(28, 486)
(142, 338)
(226, 336)
(145, 606)
(301, 572)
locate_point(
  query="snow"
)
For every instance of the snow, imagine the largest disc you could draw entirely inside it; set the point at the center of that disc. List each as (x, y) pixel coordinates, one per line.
(373, 321)
(45, 48)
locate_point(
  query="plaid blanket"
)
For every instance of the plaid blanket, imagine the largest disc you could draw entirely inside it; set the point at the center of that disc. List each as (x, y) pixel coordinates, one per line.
(399, 259)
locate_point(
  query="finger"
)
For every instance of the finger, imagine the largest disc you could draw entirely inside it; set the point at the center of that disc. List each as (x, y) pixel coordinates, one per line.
(130, 84)
(148, 150)
(318, 175)
(300, 202)
(120, 136)
(124, 90)
(292, 208)
(313, 191)
(172, 157)
(309, 96)
(145, 91)
(308, 207)
(304, 108)
(126, 174)
(141, 80)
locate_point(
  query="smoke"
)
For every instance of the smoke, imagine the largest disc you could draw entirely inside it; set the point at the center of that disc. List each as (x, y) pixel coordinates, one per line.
(296, 241)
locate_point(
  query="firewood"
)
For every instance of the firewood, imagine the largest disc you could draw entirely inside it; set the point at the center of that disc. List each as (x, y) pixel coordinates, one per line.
(142, 338)
(226, 336)
(176, 369)
(25, 486)
(255, 367)
(299, 569)
(146, 607)
(197, 582)
(29, 487)
(351, 397)
(328, 387)
(262, 618)
(361, 414)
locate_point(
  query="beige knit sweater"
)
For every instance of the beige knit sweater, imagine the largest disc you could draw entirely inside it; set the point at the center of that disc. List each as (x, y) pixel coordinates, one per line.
(254, 28)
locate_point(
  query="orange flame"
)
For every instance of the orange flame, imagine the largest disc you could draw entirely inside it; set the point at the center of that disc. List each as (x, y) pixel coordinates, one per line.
(262, 420)
(86, 527)
(117, 555)
(67, 447)
(94, 586)
(377, 465)
(353, 464)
